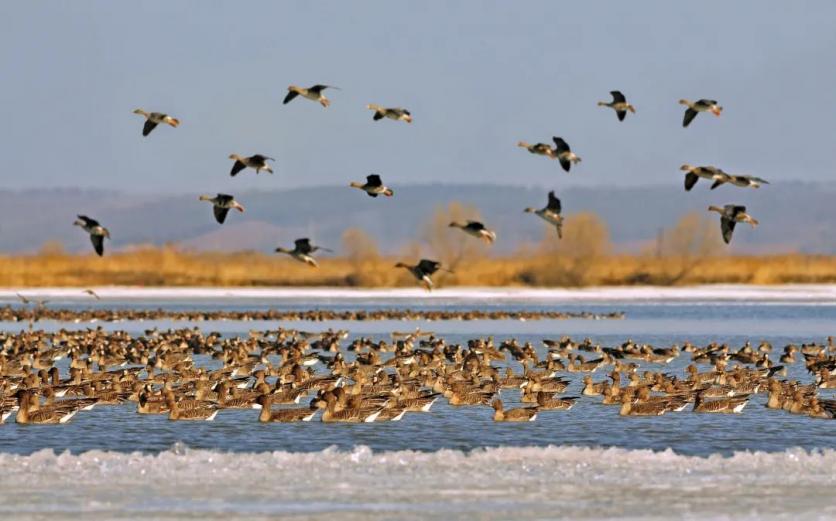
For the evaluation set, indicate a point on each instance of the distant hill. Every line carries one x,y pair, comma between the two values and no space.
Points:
794,216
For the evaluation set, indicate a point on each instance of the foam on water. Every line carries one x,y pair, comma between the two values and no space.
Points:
492,483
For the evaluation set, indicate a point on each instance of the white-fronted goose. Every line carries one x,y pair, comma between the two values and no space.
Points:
221,204
302,251
694,173
551,213
197,413
618,104
540,149
476,229
422,271
312,93
522,414
694,108
373,186
268,415
97,232
730,215
564,154
42,416
396,113
723,405
256,161
153,119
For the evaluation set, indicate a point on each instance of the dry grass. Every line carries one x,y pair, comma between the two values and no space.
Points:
169,267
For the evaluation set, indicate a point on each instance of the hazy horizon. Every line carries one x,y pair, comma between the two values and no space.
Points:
477,77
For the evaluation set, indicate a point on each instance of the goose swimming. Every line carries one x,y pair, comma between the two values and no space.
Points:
97,232
551,213
618,104
476,229
730,215
302,251
523,414
396,113
373,186
221,204
423,271
153,119
312,93
257,161
694,108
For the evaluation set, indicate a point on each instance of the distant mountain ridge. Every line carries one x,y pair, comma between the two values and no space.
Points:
794,216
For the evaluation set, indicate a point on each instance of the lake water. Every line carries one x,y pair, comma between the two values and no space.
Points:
452,462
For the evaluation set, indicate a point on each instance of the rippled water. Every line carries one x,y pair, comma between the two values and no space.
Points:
535,470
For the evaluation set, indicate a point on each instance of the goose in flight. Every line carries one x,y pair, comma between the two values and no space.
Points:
564,153
312,93
97,232
618,104
373,187
694,108
153,119
93,294
39,303
221,204
540,149
476,229
551,213
302,251
694,173
423,271
747,181
730,215
257,161
396,113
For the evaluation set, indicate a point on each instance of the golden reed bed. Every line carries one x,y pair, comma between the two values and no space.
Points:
169,267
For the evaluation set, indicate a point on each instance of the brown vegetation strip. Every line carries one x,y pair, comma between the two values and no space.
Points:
11,314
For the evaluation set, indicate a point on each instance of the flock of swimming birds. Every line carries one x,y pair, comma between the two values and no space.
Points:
374,186
188,375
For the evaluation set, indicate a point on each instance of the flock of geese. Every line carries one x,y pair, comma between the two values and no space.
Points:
188,375
374,186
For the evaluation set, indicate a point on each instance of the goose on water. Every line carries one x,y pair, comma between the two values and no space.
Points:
221,204
302,251
152,119
373,186
475,229
423,271
730,215
396,113
312,93
618,104
551,213
695,107
97,232
256,161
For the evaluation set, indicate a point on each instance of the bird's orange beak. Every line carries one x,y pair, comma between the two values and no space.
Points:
716,111
240,208
174,122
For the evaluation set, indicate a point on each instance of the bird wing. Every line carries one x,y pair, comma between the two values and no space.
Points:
554,203
617,96
620,114
378,115
290,95
717,182
374,180
560,145
224,198
727,226
565,163
148,127
690,180
220,213
737,210
690,114
318,88
428,267
475,225
88,221
237,167
303,245
98,243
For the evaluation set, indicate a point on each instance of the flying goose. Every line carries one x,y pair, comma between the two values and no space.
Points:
221,204
551,213
747,181
564,153
153,119
703,105
97,232
39,303
730,215
618,104
93,294
373,187
312,93
396,113
694,173
423,271
476,229
302,251
257,161
523,414
541,149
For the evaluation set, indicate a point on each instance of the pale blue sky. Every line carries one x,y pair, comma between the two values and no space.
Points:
478,77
